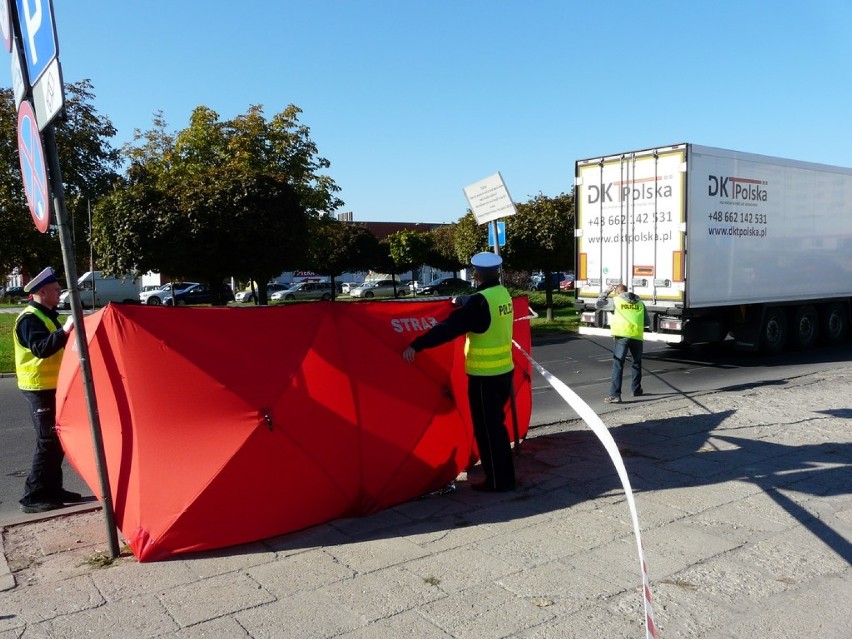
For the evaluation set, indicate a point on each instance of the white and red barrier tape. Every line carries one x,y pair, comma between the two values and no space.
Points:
599,428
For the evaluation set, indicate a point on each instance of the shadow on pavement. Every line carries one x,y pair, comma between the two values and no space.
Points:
565,469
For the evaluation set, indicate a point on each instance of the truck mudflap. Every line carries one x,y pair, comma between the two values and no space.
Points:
649,337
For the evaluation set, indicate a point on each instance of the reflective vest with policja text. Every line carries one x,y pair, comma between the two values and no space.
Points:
490,353
628,319
35,373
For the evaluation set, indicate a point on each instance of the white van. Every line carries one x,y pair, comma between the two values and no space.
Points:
102,290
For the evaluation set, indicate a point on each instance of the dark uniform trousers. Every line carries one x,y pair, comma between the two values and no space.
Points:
488,396
45,481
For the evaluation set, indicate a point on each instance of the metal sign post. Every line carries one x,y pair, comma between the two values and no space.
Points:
489,201
82,342
31,27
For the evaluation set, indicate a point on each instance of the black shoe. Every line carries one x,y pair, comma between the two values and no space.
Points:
638,393
487,487
40,507
68,497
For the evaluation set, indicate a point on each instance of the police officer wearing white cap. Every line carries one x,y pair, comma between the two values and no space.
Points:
39,341
486,317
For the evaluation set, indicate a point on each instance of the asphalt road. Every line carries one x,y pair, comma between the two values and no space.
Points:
583,363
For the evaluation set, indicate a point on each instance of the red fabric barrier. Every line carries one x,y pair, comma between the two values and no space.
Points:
228,425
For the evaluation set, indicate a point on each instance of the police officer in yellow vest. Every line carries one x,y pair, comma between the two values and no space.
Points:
627,323
39,341
486,317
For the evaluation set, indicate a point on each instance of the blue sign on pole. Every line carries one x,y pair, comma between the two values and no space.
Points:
501,234
33,169
38,32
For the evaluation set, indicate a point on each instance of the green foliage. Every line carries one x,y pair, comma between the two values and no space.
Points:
470,238
88,163
336,247
541,235
7,352
443,255
217,198
409,249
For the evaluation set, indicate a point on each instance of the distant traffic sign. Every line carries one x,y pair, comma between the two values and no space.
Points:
501,234
33,170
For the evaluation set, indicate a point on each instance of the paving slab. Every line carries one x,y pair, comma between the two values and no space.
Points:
744,498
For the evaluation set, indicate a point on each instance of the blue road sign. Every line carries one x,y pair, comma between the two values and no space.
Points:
33,169
38,32
501,234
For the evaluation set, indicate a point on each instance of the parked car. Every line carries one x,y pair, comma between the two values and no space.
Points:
304,291
16,293
156,297
346,287
568,283
446,286
537,283
248,295
198,294
379,288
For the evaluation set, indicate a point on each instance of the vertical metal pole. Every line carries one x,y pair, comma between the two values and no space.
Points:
493,224
52,157
91,252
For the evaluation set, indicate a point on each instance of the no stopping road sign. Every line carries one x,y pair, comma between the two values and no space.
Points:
33,170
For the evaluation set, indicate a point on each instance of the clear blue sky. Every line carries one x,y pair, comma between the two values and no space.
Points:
413,100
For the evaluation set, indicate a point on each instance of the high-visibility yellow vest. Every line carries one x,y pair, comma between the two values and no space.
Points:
628,320
35,373
490,353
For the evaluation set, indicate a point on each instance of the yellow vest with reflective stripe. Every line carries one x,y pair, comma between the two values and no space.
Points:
628,320
490,353
35,373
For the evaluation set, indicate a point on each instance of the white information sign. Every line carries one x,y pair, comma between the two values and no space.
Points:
19,85
48,94
489,199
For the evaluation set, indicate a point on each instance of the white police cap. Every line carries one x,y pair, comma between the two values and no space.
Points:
486,260
47,276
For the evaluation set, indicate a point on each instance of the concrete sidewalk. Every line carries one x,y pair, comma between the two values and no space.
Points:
744,497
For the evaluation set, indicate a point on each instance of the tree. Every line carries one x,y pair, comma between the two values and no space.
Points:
443,255
218,198
541,236
470,238
409,250
88,164
337,247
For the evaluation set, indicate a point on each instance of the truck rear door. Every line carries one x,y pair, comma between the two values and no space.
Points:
631,224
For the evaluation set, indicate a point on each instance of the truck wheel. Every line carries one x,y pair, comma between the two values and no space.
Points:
773,334
834,324
154,301
805,327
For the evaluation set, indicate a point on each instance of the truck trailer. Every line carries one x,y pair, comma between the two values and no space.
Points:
719,244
